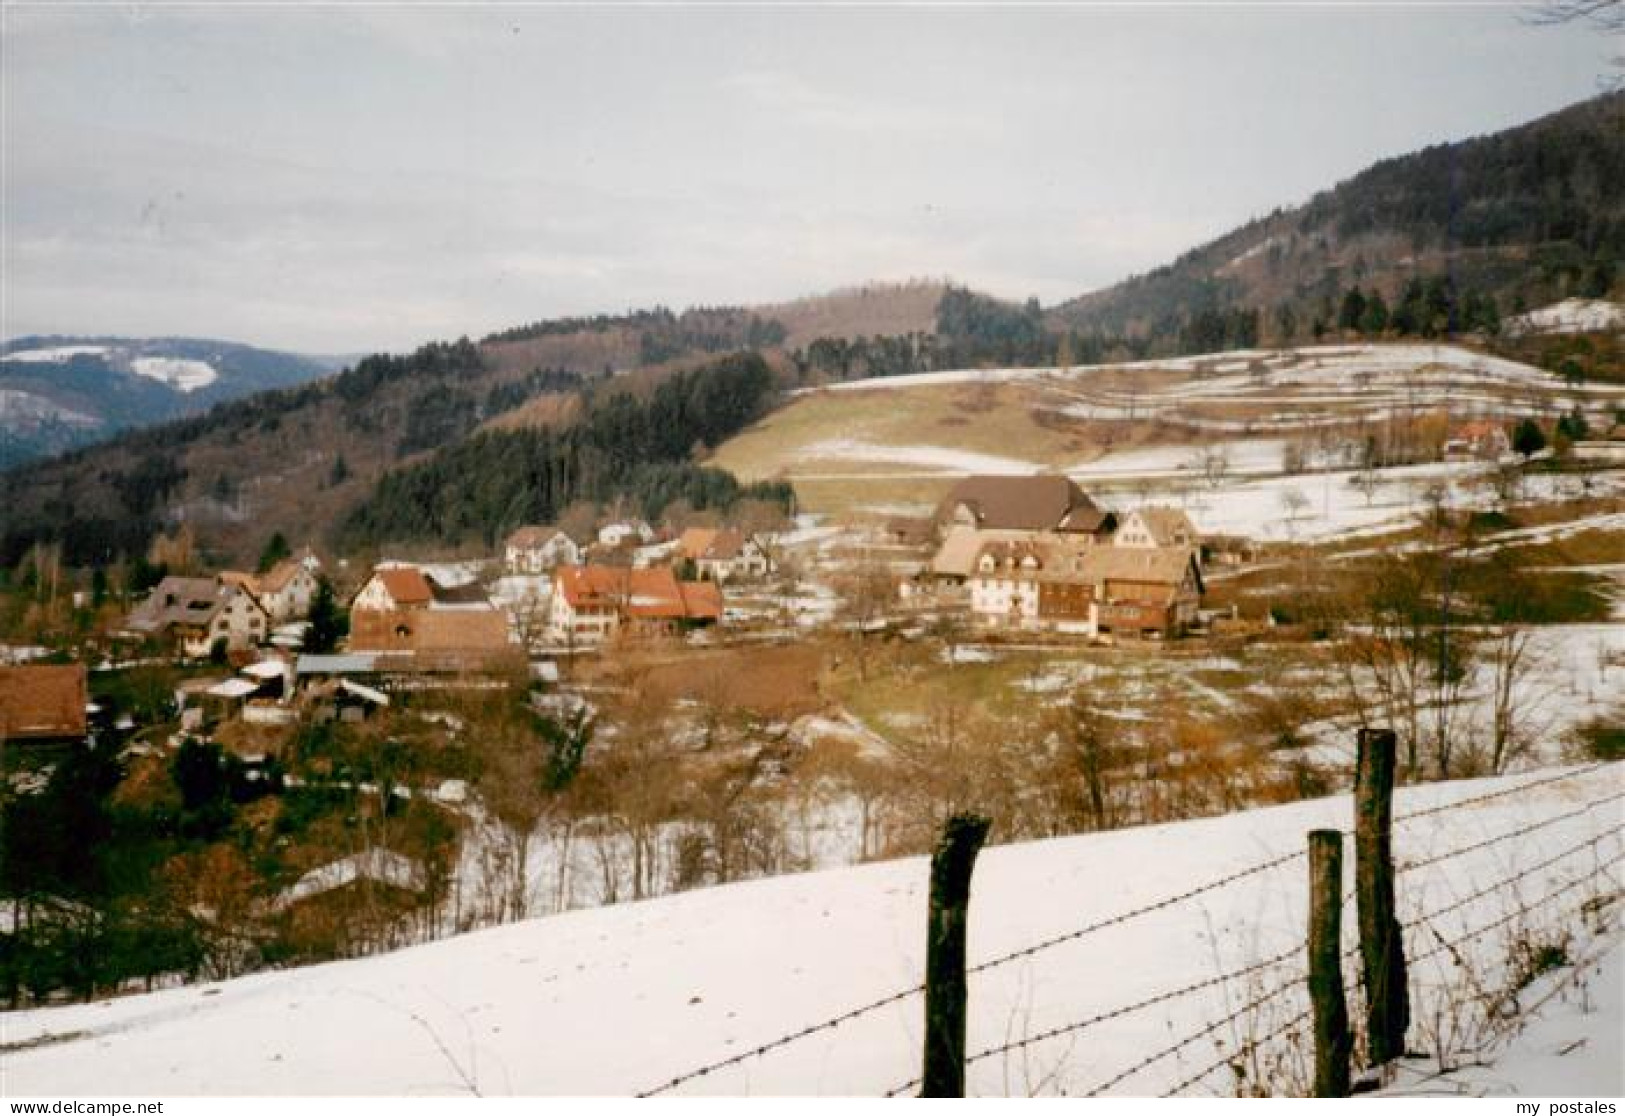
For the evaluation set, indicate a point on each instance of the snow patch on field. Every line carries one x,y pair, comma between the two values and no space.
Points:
61,354
181,374
937,457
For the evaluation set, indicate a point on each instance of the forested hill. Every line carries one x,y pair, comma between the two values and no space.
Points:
1524,217
623,446
301,461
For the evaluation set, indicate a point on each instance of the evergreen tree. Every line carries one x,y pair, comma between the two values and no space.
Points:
1374,320
1353,310
276,549
328,623
1528,439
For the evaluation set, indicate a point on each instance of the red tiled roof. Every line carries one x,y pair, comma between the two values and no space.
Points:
405,584
429,630
652,594
42,702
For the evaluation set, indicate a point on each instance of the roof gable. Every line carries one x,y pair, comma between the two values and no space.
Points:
1045,502
42,702
405,584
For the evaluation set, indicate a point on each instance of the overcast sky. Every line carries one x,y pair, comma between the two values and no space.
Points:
343,179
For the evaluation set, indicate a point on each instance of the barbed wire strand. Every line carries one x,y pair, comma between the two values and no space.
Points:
1123,917
1113,1013
1229,1057
1502,793
1413,865
1443,946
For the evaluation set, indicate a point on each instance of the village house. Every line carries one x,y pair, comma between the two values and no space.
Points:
1149,528
1144,592
435,640
1481,440
625,533
285,591
536,550
983,510
408,589
594,604
200,613
722,556
393,589
43,705
1086,590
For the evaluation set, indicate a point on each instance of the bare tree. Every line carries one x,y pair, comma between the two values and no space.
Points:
1607,17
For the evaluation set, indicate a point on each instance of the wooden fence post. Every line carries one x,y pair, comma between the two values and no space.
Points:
1333,1043
1382,944
951,866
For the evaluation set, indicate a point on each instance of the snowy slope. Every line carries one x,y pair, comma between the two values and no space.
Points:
621,999
1572,315
182,375
1566,1042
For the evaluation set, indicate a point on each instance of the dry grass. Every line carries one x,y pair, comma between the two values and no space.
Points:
979,418
768,681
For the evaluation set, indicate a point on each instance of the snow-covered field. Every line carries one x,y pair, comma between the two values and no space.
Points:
1572,315
60,354
933,457
1407,373
1320,507
1568,1044
180,374
625,999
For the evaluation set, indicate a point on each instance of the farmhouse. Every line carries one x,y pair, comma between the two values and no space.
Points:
534,550
425,639
1481,440
409,589
983,510
1151,527
284,591
394,589
199,612
722,555
594,604
1049,502
1144,592
42,704
1088,591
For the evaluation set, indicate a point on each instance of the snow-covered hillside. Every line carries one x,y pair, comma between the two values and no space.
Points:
182,375
54,354
626,999
1572,315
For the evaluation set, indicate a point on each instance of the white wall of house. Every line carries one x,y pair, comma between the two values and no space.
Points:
292,601
750,563
239,620
1001,600
374,597
560,550
588,625
1134,533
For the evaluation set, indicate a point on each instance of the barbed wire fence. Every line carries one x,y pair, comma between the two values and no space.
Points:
1290,983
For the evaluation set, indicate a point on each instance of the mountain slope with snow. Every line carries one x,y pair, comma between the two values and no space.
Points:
625,999
68,392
